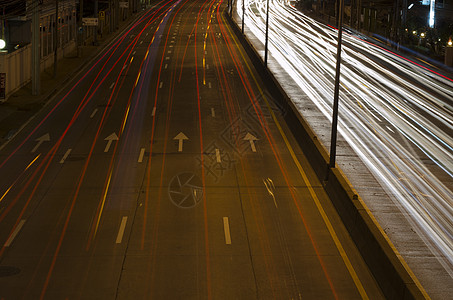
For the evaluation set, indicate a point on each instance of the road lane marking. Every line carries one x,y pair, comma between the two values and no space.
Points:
112,85
207,66
160,85
132,58
65,156
93,113
110,139
141,42
180,137
119,237
166,65
226,228
40,140
251,138
167,58
390,129
332,232
212,112
154,112
142,153
217,155
15,232
209,84
124,67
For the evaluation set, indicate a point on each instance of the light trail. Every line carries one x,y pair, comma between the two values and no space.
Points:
397,115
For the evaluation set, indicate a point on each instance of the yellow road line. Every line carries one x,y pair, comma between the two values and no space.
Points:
329,226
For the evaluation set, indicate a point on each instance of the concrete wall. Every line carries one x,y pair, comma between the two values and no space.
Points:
17,65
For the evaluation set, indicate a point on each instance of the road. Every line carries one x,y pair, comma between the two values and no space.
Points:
395,113
165,170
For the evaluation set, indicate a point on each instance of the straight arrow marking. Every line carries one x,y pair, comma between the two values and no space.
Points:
40,140
180,137
251,138
110,139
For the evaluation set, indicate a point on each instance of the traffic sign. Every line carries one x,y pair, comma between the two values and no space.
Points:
90,21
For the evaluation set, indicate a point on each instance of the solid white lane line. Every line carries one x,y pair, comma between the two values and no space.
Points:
154,112
65,156
93,113
212,112
217,155
226,228
142,153
119,237
160,85
15,232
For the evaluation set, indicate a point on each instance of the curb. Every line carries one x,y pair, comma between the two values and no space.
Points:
391,272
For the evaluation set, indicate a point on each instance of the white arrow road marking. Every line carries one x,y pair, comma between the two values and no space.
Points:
217,155
110,139
142,153
180,137
119,237
15,232
226,228
251,138
65,156
40,140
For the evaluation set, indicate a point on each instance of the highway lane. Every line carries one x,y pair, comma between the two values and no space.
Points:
395,113
177,179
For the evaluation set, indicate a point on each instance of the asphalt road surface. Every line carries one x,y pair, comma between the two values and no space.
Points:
165,170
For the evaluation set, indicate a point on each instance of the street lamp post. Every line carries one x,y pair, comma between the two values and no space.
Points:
267,33
333,142
243,14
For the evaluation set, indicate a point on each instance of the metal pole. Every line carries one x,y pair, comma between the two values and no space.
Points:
35,59
333,143
243,14
95,39
80,33
267,33
55,56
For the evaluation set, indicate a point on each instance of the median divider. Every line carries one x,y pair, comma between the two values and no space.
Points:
393,275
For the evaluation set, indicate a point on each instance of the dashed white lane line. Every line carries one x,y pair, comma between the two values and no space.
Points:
112,85
119,237
154,112
166,65
209,84
93,113
217,155
226,228
213,112
142,154
65,156
160,85
15,233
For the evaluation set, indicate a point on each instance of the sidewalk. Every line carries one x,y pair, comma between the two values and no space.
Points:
22,105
